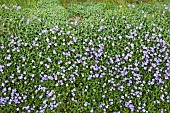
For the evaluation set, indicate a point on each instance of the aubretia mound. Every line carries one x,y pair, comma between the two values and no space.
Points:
115,60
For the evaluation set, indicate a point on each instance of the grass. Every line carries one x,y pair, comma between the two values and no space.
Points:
23,3
87,58
66,3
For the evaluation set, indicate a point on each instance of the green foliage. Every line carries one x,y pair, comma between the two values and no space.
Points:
66,3
22,3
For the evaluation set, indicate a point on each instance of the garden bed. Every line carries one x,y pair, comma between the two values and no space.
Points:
85,58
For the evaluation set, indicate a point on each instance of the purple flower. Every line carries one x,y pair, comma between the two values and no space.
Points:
8,57
2,47
56,28
16,100
101,28
50,77
123,73
95,67
127,104
102,75
75,39
44,78
5,7
168,64
100,106
18,7
96,75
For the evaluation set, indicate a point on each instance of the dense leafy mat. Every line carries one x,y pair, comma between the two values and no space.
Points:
85,59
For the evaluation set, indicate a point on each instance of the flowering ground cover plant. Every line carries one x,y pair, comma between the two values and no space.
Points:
111,60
